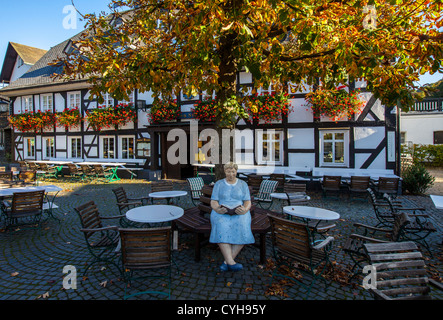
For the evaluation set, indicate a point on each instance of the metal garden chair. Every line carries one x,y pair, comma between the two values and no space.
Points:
25,208
354,243
400,272
195,184
124,204
419,227
101,241
147,250
293,242
263,197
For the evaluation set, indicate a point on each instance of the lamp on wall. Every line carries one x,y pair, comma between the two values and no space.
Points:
141,105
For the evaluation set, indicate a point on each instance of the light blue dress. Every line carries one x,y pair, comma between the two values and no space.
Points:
235,229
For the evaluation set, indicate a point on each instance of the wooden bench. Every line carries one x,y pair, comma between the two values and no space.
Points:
196,220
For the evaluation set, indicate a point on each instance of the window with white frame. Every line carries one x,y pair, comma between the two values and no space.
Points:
108,148
29,151
127,148
109,101
46,102
27,104
74,100
334,148
269,147
75,147
48,148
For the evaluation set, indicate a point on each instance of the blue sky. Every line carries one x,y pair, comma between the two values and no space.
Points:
39,23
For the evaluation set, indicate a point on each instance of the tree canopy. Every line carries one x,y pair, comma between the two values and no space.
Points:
193,46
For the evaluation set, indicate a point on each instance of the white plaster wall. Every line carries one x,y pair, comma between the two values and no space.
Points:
368,137
301,138
301,160
300,112
420,128
18,72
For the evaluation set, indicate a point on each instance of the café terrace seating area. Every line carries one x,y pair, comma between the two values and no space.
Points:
315,232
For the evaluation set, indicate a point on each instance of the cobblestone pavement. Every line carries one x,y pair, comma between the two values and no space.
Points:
32,261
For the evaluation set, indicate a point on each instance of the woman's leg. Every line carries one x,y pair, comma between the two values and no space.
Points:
235,249
230,251
226,251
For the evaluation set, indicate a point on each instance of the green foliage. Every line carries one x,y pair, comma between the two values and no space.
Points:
431,155
416,179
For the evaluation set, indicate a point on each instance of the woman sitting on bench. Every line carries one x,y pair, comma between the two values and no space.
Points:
230,217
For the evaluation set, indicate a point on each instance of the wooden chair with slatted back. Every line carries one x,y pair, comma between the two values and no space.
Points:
358,186
101,240
6,179
146,250
331,184
25,208
400,271
387,185
293,242
254,181
281,178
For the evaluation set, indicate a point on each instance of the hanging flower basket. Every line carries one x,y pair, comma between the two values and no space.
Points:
205,110
335,103
32,121
164,110
104,117
69,118
122,114
269,107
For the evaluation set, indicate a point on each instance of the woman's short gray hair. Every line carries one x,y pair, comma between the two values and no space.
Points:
231,165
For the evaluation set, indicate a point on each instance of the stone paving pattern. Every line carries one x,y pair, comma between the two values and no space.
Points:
32,261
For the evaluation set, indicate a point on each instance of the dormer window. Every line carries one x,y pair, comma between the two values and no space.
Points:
19,62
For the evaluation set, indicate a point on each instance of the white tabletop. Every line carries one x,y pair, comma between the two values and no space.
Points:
438,201
10,191
89,163
311,213
284,196
168,194
51,161
154,213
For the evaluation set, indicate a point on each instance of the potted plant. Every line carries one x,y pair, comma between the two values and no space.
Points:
334,103
268,107
164,110
69,118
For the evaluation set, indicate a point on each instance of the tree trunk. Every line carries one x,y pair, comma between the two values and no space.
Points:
228,88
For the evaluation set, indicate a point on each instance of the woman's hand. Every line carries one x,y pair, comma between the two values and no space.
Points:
217,207
244,208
